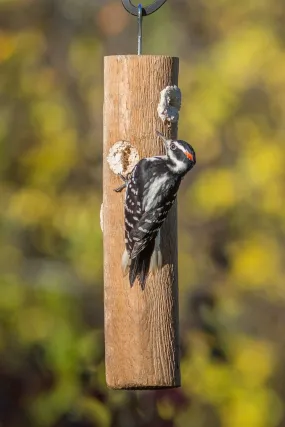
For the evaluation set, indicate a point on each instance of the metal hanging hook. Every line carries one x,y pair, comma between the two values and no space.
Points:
148,10
140,12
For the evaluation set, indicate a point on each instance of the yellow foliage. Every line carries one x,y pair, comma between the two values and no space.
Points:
86,50
213,382
262,163
210,104
9,256
37,325
30,206
215,191
8,43
45,408
97,411
51,116
248,44
272,200
254,361
50,162
13,294
165,409
257,408
256,262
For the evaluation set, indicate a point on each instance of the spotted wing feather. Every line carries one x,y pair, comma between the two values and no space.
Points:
133,208
148,226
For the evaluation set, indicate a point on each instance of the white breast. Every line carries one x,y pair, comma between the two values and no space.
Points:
153,191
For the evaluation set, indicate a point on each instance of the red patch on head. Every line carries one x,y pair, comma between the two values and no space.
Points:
190,156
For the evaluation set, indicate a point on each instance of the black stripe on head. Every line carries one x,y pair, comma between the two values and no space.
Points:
187,150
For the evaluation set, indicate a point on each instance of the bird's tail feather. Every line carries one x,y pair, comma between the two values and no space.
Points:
140,265
156,258
155,261
126,262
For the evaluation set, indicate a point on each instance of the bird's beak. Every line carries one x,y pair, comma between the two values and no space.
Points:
163,138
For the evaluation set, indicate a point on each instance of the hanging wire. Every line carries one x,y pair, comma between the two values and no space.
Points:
140,18
141,11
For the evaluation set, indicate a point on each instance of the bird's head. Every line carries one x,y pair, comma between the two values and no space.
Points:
181,155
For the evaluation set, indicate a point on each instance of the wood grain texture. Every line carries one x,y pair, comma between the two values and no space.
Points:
141,327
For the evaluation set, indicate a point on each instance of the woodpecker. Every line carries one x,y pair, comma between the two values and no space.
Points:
151,190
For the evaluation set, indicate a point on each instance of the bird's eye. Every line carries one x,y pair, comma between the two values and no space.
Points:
172,146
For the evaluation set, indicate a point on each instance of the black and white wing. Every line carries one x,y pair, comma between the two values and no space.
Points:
133,207
153,216
150,194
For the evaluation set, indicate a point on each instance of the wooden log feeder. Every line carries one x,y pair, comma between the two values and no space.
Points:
141,325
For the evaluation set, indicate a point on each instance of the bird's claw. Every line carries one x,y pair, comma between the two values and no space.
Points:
125,179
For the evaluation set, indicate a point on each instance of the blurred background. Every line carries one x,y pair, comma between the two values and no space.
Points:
231,213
